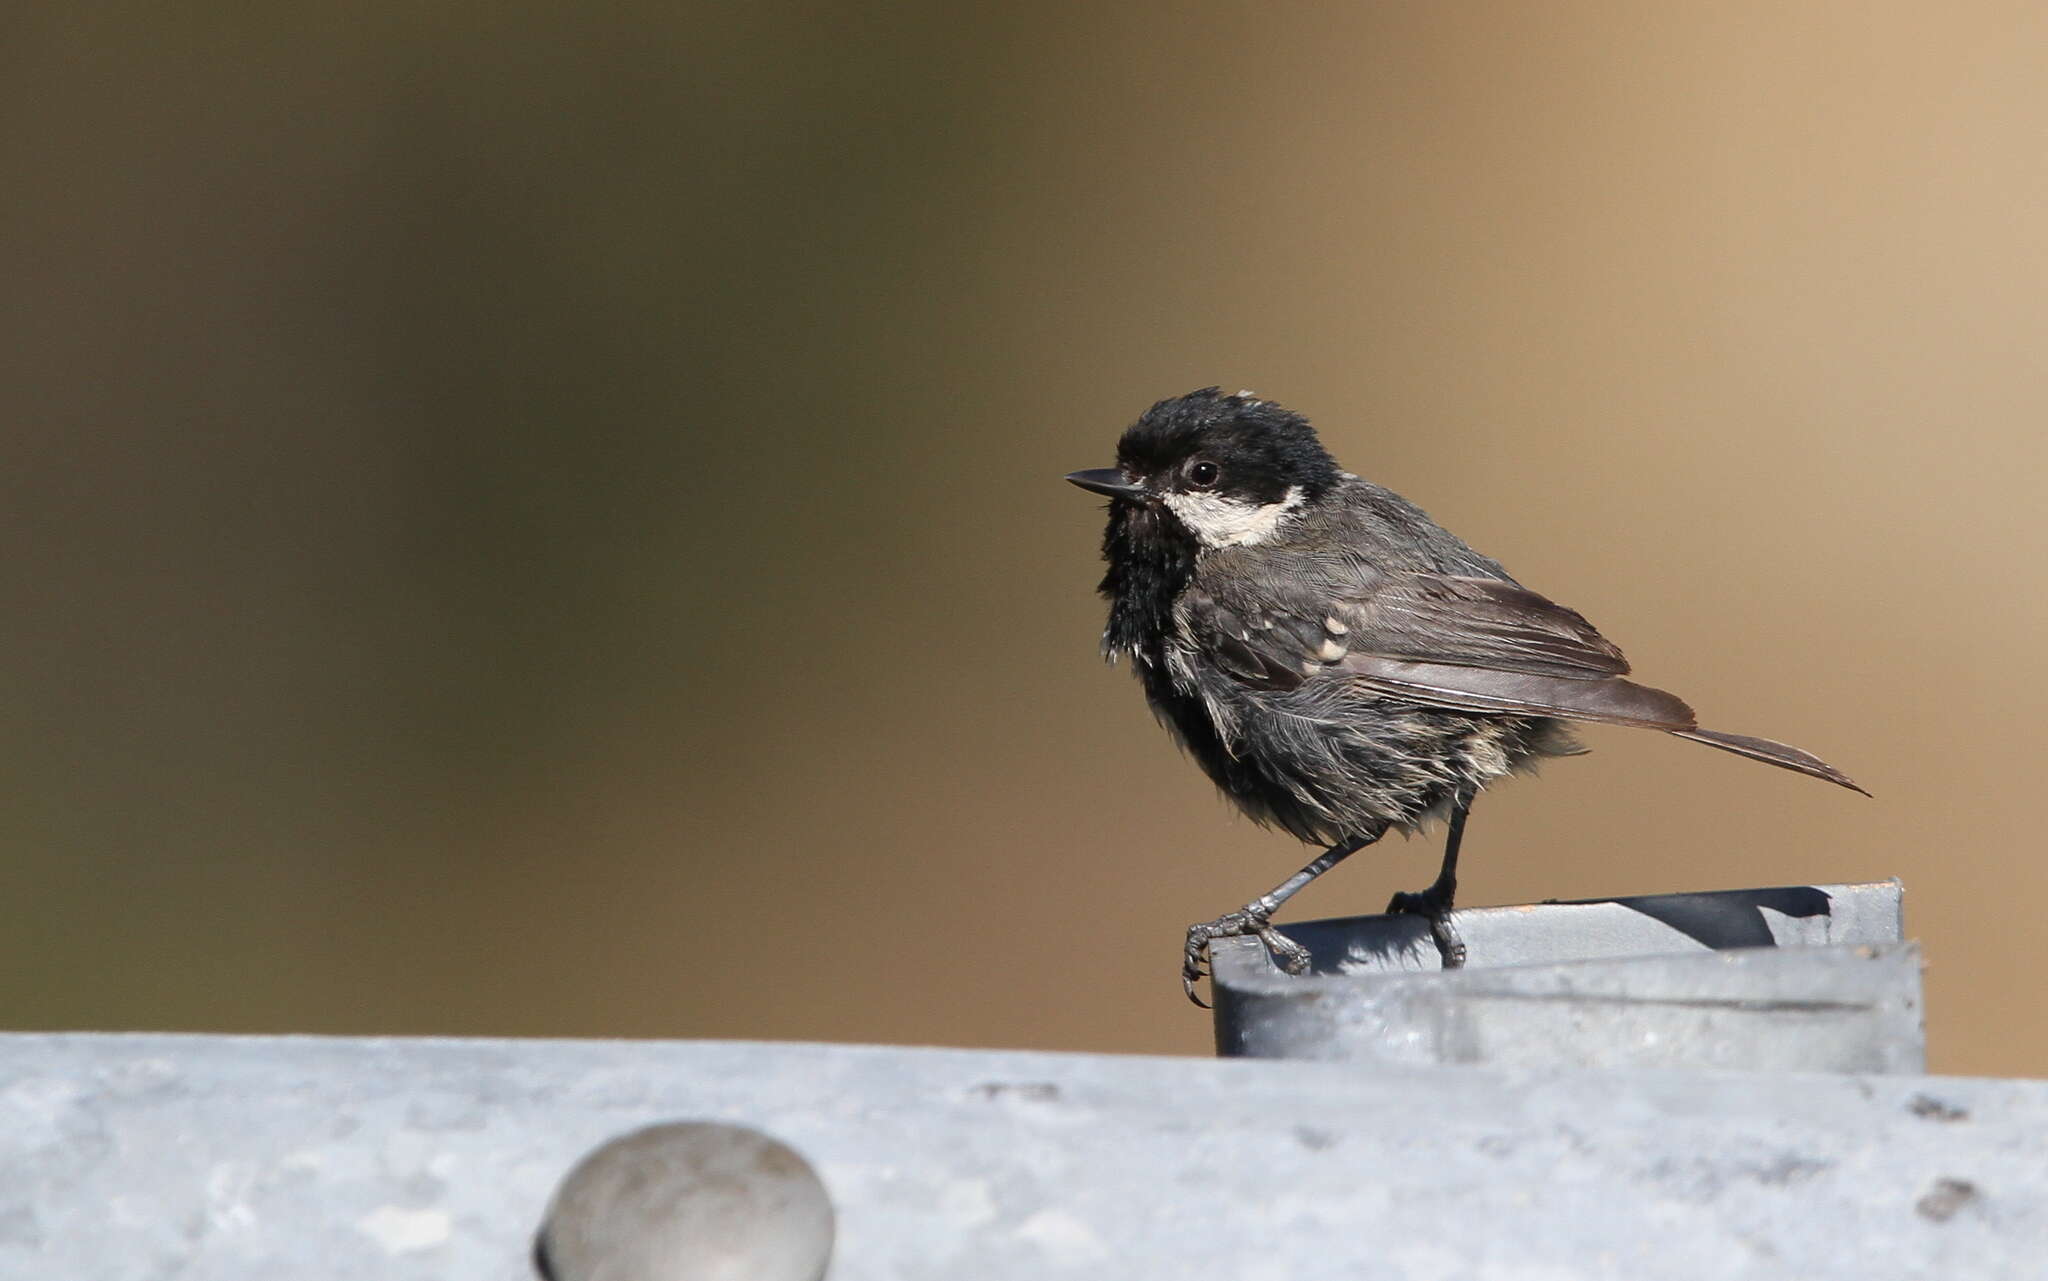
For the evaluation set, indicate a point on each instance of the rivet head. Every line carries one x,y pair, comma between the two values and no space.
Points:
688,1201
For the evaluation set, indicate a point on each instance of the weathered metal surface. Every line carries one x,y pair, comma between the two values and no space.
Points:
1646,925
1810,978
208,1159
1825,1009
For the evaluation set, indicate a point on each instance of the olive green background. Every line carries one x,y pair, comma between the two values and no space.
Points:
546,519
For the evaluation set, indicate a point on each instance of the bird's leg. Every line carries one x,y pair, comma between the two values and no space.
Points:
1256,917
1434,903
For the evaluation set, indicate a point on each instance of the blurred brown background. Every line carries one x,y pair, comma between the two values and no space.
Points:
546,519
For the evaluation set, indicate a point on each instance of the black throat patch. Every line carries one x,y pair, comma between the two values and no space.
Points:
1151,559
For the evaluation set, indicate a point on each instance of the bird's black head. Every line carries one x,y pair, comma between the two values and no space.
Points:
1225,470
1198,472
1237,447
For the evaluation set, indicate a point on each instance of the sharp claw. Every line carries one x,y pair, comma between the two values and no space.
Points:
1428,905
1292,956
1191,964
1289,955
1449,947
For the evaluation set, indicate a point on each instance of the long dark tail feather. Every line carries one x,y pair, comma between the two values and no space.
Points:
1782,755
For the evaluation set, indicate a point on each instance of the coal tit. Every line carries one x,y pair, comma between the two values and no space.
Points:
1338,664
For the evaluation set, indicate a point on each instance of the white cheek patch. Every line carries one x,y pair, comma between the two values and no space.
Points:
1231,522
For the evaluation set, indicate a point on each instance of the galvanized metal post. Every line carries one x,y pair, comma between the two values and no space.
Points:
1795,978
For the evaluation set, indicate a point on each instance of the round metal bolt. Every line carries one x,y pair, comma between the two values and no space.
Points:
688,1201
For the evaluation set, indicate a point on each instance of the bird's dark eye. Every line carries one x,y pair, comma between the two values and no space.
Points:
1203,474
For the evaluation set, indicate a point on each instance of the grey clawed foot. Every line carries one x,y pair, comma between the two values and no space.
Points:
1435,908
1449,947
1288,954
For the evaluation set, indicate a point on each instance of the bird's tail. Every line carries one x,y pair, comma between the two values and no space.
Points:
1781,755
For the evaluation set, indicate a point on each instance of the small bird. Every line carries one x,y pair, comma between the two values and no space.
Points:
1339,664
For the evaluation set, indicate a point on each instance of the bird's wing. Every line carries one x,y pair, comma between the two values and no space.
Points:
1463,644
1469,644
1612,701
1473,622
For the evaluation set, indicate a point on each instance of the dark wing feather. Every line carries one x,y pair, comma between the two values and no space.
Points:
1489,645
1304,628
1254,650
1463,644
1479,644
1255,665
1770,752
1613,701
1475,622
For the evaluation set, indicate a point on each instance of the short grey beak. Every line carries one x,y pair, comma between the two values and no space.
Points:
1106,480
